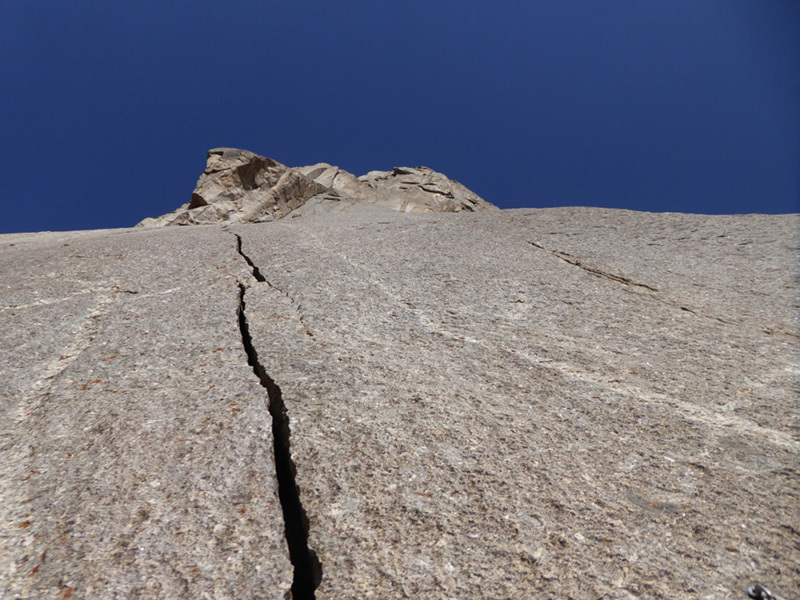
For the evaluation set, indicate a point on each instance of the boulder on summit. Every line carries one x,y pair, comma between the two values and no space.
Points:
239,186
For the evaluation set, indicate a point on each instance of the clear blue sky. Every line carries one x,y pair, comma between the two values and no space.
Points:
107,108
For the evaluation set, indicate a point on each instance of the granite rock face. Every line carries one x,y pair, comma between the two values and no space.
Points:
538,403
402,189
239,186
136,451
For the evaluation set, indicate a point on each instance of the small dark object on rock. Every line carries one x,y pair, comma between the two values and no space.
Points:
759,592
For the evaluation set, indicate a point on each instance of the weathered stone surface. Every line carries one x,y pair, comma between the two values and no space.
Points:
239,186
547,403
422,190
135,445
403,189
341,182
559,403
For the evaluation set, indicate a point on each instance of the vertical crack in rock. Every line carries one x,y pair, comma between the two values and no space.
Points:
256,272
260,277
307,567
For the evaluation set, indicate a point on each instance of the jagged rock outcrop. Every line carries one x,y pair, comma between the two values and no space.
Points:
404,189
239,186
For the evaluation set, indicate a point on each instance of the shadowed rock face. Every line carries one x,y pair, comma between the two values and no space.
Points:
539,403
239,186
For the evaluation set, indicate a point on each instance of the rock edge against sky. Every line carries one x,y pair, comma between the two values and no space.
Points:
239,186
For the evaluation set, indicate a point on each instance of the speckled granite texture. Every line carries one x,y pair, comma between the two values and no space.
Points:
540,403
135,448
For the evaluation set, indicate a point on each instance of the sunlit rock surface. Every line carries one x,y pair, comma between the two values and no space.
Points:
238,186
539,403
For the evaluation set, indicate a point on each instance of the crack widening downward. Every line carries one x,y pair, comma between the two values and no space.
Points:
307,567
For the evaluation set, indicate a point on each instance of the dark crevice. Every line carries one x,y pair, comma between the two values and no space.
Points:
567,258
256,273
618,278
260,277
435,191
307,567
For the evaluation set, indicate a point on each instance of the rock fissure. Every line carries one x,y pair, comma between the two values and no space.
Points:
611,276
307,567
569,259
253,268
260,277
435,191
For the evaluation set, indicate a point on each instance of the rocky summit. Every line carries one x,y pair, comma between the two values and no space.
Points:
239,186
372,403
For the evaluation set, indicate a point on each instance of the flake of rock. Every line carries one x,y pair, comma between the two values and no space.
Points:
403,189
340,181
422,190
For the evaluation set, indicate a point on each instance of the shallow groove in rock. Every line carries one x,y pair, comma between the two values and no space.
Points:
576,263
307,567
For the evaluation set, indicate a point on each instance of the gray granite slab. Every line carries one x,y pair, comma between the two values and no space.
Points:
577,403
135,446
551,403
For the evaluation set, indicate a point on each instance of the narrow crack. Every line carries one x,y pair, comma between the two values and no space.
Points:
568,258
307,567
576,263
260,277
256,272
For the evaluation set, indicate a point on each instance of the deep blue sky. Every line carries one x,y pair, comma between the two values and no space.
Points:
107,108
